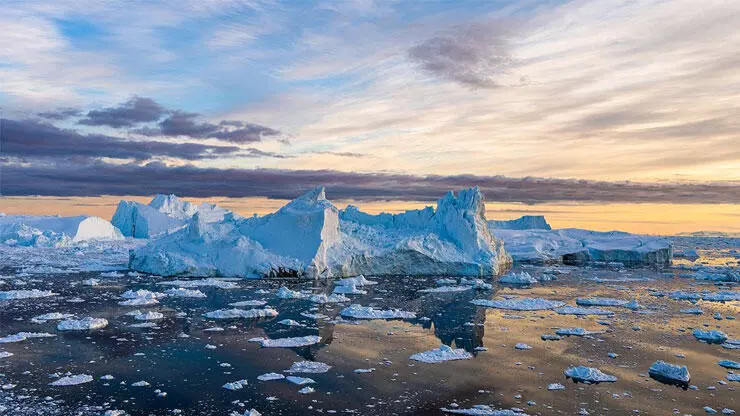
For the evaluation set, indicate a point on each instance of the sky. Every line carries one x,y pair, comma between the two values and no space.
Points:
543,104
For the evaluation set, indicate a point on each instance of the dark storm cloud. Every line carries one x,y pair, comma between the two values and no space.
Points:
30,139
181,123
100,178
60,114
474,56
134,111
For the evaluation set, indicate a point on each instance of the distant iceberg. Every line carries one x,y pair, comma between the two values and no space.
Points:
310,237
164,214
576,246
526,222
54,231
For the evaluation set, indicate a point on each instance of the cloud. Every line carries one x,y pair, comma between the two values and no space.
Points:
31,139
75,179
181,123
60,114
476,56
134,111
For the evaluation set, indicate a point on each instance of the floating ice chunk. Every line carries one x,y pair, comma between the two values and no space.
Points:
588,375
596,301
710,337
91,282
83,324
25,294
300,380
349,288
333,298
181,292
519,304
144,325
287,342
446,289
313,367
290,322
555,386
235,385
141,293
441,354
5,354
477,284
143,301
368,312
359,280
22,336
681,295
241,313
53,316
729,364
522,278
270,377
111,274
733,377
691,311
363,370
721,296
483,410
245,303
210,282
148,316
522,346
731,344
141,383
573,310
306,390
578,332
72,380
669,373
285,293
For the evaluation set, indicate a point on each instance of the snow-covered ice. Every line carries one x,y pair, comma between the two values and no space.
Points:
314,367
588,375
368,312
72,380
83,324
519,304
236,313
289,342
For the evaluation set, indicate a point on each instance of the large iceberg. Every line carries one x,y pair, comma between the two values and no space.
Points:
164,214
577,246
54,231
311,237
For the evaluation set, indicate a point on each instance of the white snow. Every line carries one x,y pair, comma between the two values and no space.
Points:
236,313
368,312
441,354
83,324
72,380
588,375
311,237
287,342
519,304
52,316
306,390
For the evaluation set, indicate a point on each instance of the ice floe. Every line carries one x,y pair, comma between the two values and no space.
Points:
289,342
83,324
441,354
182,292
519,304
314,367
711,337
72,380
669,373
25,294
22,336
368,312
483,410
588,375
236,313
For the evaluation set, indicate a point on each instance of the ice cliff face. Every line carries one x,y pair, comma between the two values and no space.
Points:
310,237
526,222
52,231
164,214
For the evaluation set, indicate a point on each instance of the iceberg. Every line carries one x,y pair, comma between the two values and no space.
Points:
241,313
83,324
313,367
483,410
164,214
525,222
310,237
710,337
54,231
577,246
292,342
588,375
670,373
519,304
72,380
368,312
441,354
25,294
